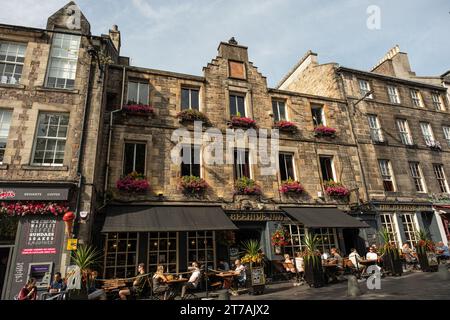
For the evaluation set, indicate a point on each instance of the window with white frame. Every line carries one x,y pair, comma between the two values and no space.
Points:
388,223
437,101
364,88
427,133
5,123
190,98
200,248
386,175
237,104
318,115
63,61
134,158
440,177
375,129
286,162
416,174
121,252
50,140
410,229
405,134
327,238
190,164
137,93
393,94
279,110
162,250
416,98
241,164
297,236
447,134
12,56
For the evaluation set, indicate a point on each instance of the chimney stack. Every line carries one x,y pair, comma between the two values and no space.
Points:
114,34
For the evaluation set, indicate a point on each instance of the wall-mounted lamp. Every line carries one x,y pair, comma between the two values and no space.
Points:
84,214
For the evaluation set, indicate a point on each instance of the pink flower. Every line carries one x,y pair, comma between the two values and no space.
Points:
134,183
138,108
290,186
324,131
243,122
285,125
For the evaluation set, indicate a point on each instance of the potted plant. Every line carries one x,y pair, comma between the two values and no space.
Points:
138,109
314,275
247,186
85,257
243,122
254,257
280,238
336,189
191,115
291,187
323,131
425,252
193,185
133,183
390,254
285,126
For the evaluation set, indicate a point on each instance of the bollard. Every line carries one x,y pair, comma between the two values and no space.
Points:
223,295
353,289
444,274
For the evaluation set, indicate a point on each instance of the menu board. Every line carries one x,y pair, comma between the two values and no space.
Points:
42,232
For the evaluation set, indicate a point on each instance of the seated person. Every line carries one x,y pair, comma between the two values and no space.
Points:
354,257
138,284
95,293
224,266
159,282
193,280
289,264
299,266
336,257
372,254
58,285
325,255
442,251
410,255
240,272
29,291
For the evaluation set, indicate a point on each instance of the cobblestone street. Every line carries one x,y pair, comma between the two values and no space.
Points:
411,286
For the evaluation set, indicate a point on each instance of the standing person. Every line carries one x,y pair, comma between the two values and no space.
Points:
193,280
137,284
29,291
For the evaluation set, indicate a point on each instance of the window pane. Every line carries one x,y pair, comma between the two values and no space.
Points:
184,99
233,109
140,158
195,99
128,158
326,168
132,92
241,105
317,116
143,93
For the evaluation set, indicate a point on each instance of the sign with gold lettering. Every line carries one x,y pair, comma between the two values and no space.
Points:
404,207
257,216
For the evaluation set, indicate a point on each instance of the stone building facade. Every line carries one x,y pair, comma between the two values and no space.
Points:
400,123
51,91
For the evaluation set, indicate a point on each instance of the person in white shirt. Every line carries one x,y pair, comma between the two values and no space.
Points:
193,280
240,272
354,257
371,255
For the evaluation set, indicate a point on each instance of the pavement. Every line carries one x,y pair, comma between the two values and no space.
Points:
410,286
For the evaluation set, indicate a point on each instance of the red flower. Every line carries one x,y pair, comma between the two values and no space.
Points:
323,131
32,207
138,109
237,121
291,186
134,182
285,126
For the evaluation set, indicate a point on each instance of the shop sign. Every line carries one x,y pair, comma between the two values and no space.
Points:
257,216
36,193
39,251
42,232
404,207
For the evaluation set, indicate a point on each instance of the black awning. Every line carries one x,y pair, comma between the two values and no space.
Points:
166,218
323,218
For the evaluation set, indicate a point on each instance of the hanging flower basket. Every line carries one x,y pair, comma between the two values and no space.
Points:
138,109
191,115
242,122
32,208
291,187
322,131
280,238
336,189
246,186
285,126
133,183
193,185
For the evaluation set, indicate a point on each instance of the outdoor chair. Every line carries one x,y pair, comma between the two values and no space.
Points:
191,294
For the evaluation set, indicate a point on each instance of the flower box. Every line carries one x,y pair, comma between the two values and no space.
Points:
138,109
133,183
291,187
193,185
246,186
242,122
322,131
32,208
285,126
191,115
336,189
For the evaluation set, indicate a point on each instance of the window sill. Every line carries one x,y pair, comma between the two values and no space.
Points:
12,86
3,167
45,168
46,89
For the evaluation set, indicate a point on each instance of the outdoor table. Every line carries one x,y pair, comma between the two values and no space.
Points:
367,263
227,279
330,271
175,287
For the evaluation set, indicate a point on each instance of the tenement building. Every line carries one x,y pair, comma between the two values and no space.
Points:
401,125
51,88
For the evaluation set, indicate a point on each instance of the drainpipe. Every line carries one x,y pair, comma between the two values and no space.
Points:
108,156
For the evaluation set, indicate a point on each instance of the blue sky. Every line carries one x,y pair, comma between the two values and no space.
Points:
183,35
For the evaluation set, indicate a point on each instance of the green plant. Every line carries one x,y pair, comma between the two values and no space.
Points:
86,257
310,254
388,246
424,243
252,252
